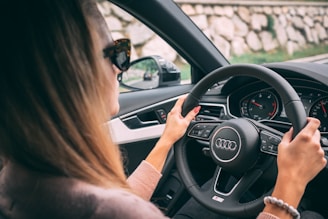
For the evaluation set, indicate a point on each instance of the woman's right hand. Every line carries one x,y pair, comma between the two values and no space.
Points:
299,161
302,158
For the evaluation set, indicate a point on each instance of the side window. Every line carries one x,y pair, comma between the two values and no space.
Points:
154,63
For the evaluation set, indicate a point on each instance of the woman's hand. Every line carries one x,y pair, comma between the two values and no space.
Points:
299,161
302,158
176,124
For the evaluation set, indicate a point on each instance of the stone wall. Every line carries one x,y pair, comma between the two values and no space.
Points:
235,27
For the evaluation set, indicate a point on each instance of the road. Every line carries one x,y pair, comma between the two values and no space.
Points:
322,59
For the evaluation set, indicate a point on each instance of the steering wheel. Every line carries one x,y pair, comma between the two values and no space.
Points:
236,145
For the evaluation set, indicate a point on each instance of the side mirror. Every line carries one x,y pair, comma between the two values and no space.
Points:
150,72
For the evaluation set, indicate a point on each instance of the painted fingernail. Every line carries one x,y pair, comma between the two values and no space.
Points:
196,109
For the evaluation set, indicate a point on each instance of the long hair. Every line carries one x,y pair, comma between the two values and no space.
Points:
52,107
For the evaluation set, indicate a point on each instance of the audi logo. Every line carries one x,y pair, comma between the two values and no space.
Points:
225,144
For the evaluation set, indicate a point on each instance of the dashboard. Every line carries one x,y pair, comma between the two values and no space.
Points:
251,98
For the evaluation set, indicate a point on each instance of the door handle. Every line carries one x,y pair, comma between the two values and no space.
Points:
134,122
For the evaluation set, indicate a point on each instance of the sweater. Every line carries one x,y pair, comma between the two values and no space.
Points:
30,195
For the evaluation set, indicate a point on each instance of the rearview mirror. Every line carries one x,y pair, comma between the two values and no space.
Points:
150,72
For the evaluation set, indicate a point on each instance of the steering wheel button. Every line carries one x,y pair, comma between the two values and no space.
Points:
264,141
266,136
274,150
206,133
201,131
271,149
196,133
274,140
264,147
193,132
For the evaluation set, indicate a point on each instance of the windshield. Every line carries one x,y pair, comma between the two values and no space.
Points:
263,31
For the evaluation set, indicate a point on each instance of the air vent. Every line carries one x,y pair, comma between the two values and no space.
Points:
210,112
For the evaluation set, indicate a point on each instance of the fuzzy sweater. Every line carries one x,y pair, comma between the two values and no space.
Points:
29,195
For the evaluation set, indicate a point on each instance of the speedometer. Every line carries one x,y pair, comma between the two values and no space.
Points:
319,110
259,106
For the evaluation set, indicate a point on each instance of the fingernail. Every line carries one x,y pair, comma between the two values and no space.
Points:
196,109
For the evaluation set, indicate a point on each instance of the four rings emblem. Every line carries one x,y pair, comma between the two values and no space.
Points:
225,144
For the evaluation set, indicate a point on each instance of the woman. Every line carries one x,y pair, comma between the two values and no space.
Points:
58,86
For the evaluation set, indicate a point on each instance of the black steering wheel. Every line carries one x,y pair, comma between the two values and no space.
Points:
237,146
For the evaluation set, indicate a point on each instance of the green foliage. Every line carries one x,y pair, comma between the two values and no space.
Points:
146,64
185,71
271,25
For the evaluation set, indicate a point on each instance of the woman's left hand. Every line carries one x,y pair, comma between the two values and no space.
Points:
176,124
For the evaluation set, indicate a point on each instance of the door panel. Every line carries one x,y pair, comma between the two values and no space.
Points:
141,121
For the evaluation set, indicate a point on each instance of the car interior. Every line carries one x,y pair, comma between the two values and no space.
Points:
231,146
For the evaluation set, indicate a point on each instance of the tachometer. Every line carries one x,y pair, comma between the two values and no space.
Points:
259,106
319,110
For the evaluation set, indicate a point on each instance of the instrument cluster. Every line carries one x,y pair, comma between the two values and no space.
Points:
265,104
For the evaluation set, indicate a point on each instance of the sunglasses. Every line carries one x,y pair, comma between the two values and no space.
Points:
119,53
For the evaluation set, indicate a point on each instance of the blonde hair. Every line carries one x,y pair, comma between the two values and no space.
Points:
52,92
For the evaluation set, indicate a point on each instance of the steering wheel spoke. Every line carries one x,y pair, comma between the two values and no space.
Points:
226,190
218,189
244,183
